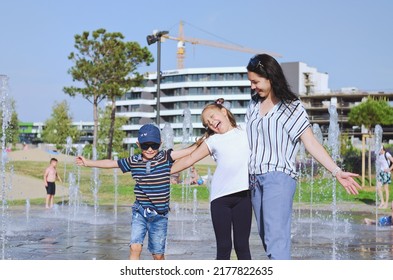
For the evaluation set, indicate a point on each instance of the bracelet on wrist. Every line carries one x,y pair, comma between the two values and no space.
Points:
335,171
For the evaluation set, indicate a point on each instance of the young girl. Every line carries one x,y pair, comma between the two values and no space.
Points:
230,202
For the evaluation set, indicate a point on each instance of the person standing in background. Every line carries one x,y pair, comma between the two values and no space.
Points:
50,177
384,166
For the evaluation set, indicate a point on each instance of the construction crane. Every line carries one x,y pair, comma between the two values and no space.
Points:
181,50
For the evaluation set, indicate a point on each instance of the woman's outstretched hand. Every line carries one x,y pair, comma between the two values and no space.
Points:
347,181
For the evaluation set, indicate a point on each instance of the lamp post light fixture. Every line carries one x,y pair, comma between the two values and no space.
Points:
151,39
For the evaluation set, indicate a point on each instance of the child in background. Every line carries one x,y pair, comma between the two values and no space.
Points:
50,177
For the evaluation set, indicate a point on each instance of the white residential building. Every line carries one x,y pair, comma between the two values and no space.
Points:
193,88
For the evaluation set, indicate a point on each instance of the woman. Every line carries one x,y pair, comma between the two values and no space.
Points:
276,123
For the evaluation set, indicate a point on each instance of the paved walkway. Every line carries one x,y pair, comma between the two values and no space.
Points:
81,233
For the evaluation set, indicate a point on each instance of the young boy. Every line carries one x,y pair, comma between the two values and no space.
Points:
50,177
151,171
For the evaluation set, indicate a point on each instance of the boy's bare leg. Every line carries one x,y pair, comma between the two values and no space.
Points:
47,201
135,251
158,257
51,201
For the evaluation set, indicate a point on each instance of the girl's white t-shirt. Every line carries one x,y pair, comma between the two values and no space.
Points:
231,152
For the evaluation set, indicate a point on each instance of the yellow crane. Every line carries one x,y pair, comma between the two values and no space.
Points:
181,50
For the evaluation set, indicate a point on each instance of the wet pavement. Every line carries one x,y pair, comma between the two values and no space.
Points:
64,233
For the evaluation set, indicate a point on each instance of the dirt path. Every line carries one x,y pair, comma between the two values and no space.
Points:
26,187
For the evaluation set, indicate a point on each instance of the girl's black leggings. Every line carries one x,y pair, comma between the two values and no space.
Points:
233,210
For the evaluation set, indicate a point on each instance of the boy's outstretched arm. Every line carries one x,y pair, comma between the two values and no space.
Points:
105,163
186,161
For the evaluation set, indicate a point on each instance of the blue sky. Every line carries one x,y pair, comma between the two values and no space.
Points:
351,40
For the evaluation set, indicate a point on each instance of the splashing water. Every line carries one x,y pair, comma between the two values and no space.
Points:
378,144
333,133
333,142
115,182
209,179
27,209
5,187
95,184
378,138
187,126
195,212
187,134
67,152
302,153
317,132
79,152
319,136
167,136
74,196
378,132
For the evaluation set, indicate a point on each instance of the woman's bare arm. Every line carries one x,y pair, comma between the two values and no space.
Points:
321,155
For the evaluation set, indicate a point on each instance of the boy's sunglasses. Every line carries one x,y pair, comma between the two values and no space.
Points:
146,146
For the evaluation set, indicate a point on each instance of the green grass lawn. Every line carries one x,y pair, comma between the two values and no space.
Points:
318,190
321,190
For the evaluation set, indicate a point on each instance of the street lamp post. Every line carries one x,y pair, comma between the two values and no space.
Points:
151,39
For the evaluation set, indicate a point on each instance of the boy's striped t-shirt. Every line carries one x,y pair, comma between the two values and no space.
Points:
152,178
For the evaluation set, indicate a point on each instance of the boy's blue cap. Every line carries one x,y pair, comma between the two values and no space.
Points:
149,133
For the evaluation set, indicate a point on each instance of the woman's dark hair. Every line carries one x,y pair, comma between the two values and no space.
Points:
267,67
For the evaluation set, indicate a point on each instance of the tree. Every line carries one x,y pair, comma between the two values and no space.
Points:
370,113
103,132
106,66
59,126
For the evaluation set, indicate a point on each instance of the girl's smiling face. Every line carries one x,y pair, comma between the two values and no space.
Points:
216,120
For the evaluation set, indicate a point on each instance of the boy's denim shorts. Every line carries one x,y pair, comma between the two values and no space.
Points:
149,221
